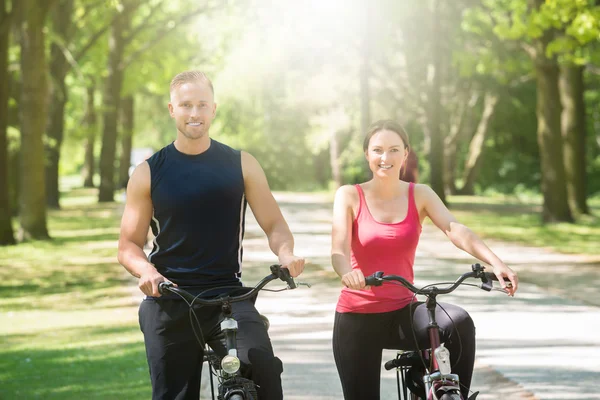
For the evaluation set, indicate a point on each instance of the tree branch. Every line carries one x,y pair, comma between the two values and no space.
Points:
529,49
142,25
77,56
159,35
91,7
594,69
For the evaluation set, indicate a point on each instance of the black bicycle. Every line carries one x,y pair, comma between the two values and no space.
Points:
226,367
426,374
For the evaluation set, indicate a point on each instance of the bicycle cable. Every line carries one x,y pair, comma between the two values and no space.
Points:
451,320
454,328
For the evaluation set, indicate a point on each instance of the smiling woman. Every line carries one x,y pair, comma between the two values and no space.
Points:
376,227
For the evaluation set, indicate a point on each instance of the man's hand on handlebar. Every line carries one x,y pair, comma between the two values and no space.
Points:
149,280
294,264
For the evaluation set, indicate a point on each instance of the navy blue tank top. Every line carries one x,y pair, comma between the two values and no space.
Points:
199,215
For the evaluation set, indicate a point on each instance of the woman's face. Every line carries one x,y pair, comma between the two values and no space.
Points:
386,154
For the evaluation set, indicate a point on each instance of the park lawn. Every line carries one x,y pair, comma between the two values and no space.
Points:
69,311
511,220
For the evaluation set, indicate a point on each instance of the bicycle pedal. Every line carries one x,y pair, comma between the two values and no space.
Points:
303,284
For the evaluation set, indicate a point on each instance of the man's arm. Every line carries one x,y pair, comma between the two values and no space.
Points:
269,217
134,228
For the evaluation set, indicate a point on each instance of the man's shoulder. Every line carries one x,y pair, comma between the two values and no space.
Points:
223,147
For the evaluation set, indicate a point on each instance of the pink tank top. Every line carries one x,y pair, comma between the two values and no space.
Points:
383,247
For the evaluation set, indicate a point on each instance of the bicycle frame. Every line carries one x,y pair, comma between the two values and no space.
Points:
438,378
231,384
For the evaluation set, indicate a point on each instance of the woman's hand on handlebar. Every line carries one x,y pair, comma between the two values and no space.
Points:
354,279
502,271
149,280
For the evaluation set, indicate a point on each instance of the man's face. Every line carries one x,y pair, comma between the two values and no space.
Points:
193,108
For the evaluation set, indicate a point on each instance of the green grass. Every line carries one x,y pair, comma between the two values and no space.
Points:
514,220
69,315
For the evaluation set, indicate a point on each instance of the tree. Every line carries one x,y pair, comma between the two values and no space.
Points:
6,20
527,25
434,111
59,66
91,128
33,115
556,206
68,49
126,139
571,84
124,48
476,146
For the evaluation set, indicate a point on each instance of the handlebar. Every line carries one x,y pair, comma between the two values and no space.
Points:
378,278
277,272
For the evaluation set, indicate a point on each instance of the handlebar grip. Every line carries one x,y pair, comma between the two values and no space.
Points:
392,364
284,275
375,279
492,276
162,286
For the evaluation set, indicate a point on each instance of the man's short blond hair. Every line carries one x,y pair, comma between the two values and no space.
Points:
188,77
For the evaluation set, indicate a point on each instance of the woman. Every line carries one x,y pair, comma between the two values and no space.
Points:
376,227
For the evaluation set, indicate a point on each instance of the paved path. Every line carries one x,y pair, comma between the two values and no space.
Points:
537,345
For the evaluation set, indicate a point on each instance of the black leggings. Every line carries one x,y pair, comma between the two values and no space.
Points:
358,341
175,356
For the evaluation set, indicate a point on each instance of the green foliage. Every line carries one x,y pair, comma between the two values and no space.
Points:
517,219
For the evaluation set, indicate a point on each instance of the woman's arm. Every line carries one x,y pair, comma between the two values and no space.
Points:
341,236
463,237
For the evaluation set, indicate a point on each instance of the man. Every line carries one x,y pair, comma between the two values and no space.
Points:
193,194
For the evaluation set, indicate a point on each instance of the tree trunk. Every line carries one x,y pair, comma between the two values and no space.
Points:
548,110
334,157
574,136
34,113
436,152
476,146
59,67
111,105
460,124
91,128
126,140
6,231
365,95
365,90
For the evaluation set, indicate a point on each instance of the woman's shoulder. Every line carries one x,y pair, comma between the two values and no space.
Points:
347,193
422,189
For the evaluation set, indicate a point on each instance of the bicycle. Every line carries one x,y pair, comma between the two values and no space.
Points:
231,385
434,370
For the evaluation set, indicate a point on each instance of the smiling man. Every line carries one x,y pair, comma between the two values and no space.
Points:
193,194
